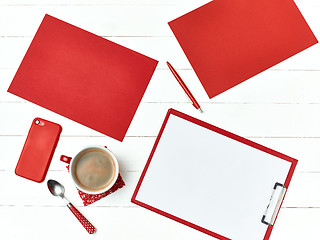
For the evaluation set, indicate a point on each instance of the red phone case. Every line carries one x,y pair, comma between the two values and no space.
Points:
38,150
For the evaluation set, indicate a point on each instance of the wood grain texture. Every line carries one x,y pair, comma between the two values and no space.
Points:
279,108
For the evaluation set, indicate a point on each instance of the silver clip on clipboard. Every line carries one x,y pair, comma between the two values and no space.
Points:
274,205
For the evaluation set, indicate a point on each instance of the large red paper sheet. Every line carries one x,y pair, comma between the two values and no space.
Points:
230,41
83,77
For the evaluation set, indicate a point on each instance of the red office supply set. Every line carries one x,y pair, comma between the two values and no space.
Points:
100,84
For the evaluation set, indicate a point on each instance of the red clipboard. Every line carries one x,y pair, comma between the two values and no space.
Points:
231,169
83,77
230,41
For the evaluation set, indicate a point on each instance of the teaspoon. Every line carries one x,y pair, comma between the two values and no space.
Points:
58,190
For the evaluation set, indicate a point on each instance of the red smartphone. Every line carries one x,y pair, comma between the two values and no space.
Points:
38,150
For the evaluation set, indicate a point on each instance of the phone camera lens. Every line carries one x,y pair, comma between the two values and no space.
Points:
37,122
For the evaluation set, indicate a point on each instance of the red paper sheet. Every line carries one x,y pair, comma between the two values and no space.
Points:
83,77
230,41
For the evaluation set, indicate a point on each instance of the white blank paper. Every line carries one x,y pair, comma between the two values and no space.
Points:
211,180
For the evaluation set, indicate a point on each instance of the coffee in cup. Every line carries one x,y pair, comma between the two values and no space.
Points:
94,169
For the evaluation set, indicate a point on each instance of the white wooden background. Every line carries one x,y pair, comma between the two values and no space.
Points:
279,108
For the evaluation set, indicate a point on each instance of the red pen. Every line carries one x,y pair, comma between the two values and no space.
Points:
184,87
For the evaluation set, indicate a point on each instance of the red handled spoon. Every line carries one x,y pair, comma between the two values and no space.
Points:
58,190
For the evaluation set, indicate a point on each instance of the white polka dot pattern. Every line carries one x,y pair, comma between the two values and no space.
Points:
85,223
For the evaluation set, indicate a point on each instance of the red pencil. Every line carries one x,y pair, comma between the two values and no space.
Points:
185,88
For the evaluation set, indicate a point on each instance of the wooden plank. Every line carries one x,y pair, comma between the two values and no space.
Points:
124,2
111,223
114,19
101,2
249,120
133,152
27,190
301,191
134,223
295,223
103,20
271,86
160,48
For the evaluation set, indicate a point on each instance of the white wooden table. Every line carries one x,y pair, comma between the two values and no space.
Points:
279,108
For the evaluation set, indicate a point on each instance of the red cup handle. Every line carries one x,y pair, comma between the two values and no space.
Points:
65,159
